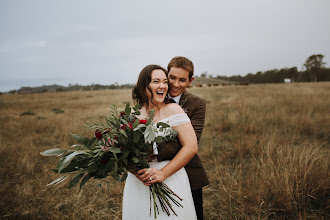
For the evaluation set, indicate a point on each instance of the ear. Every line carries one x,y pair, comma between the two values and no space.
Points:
190,81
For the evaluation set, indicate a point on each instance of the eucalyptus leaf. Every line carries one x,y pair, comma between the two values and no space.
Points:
162,124
68,158
136,136
115,150
80,139
123,178
84,180
123,132
139,126
75,180
62,178
92,167
135,159
110,165
136,123
158,139
53,152
127,109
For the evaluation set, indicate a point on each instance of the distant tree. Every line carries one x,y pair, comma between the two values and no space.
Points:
313,65
204,74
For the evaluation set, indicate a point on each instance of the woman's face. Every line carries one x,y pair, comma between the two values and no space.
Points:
158,86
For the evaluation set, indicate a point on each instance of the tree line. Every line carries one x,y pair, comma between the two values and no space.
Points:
315,71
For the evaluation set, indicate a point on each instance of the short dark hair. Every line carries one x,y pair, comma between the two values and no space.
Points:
182,62
139,91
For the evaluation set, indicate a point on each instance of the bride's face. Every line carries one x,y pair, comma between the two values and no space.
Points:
158,86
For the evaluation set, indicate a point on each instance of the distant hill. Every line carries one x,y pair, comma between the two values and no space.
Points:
206,80
58,88
76,87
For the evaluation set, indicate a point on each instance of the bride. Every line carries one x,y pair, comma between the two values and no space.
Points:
150,91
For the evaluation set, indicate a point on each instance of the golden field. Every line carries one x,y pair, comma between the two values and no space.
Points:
265,149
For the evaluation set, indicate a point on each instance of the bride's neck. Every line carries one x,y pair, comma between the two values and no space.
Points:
156,108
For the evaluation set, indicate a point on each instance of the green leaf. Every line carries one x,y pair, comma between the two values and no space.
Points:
164,125
158,139
115,150
123,178
68,158
92,167
139,126
84,180
110,165
127,109
57,181
80,139
75,180
136,136
125,154
135,159
123,132
74,165
136,123
53,152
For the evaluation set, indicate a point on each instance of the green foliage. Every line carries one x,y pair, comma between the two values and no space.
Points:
123,144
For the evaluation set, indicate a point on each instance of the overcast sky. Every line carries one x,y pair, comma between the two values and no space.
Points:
45,42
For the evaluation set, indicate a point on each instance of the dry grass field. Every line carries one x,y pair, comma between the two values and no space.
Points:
265,149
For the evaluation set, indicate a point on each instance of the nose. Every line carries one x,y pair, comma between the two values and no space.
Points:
176,83
163,85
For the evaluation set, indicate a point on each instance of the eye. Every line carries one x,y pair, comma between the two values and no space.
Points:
183,80
172,77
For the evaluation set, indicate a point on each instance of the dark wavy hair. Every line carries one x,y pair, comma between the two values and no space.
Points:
139,91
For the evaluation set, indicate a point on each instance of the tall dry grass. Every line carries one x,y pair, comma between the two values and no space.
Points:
265,149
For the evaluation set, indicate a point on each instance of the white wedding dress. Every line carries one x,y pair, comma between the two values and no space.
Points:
136,198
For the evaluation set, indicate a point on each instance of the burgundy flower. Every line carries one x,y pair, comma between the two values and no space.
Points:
125,126
98,134
106,130
122,113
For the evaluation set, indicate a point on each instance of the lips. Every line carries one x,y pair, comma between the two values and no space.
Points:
160,93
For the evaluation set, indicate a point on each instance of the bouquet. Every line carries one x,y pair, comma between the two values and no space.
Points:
121,144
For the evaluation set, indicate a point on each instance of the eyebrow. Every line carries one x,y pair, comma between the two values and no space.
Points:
158,79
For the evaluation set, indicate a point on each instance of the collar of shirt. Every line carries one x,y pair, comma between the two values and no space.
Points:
176,98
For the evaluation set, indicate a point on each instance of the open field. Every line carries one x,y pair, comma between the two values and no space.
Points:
265,149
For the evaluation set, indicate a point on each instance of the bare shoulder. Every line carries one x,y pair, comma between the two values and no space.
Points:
172,109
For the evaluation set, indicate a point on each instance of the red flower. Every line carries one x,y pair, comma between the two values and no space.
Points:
125,126
142,121
107,130
98,134
122,113
116,138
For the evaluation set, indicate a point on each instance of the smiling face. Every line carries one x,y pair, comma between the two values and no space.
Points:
158,87
178,80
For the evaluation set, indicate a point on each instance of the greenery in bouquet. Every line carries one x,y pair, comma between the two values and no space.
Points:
122,143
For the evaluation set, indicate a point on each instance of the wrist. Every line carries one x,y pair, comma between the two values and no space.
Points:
164,174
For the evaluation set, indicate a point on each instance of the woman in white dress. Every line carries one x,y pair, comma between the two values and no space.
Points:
150,92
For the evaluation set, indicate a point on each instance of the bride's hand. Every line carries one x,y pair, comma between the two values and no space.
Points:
150,176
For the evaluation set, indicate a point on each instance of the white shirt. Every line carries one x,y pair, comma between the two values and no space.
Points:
176,98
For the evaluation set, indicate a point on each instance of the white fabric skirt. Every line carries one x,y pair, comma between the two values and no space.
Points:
136,198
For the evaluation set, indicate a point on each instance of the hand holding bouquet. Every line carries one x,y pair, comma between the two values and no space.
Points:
121,144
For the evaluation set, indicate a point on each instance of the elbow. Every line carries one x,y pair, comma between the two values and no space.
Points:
194,149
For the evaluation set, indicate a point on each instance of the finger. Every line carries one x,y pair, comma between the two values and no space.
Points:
142,171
